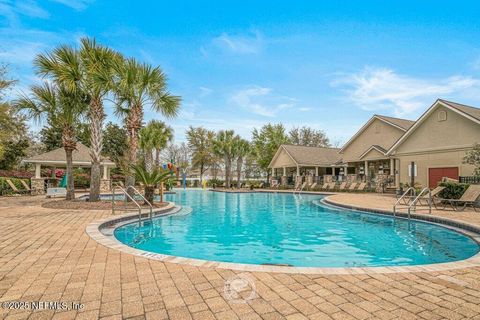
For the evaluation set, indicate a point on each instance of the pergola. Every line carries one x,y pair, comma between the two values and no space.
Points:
57,158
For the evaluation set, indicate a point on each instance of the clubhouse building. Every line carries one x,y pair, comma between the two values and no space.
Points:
390,151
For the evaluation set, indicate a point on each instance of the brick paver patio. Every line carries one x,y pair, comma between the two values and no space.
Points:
45,255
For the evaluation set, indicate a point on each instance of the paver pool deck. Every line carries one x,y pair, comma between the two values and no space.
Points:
45,255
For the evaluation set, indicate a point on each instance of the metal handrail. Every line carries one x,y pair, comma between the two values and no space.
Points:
414,202
127,195
410,189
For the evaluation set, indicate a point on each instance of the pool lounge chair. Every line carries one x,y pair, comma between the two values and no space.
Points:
352,186
302,186
361,186
275,184
434,193
325,186
468,198
14,188
331,186
343,186
312,186
27,187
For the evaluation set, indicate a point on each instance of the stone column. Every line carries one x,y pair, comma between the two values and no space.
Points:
366,170
105,184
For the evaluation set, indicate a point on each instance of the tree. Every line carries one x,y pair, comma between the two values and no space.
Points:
64,108
13,152
136,87
150,180
224,147
153,138
115,143
90,70
266,142
200,141
473,157
51,135
242,148
306,136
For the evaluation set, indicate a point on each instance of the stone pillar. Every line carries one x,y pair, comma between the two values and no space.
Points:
366,170
105,173
38,173
396,172
105,185
38,184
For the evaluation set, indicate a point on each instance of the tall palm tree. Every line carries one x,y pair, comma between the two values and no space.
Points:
90,70
138,85
224,147
163,135
61,107
242,149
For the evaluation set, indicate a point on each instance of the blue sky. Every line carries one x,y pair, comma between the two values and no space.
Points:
325,64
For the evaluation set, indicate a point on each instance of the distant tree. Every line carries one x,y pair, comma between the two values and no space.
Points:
154,138
14,152
473,157
115,144
265,142
200,141
306,136
224,146
242,149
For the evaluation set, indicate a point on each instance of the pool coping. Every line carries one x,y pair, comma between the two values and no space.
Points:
93,230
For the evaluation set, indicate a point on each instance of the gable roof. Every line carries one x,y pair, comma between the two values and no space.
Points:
309,156
80,156
374,147
469,112
402,124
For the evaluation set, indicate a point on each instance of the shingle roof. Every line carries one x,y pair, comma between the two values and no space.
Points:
314,156
402,123
471,111
82,154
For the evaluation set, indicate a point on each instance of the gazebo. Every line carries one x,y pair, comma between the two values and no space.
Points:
56,158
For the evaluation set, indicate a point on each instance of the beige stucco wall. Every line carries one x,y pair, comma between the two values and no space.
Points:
373,155
377,133
438,144
283,160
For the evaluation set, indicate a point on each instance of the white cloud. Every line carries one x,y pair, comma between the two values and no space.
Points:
11,10
240,44
382,88
304,109
259,100
78,5
204,91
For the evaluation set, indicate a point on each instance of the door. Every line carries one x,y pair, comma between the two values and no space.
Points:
435,175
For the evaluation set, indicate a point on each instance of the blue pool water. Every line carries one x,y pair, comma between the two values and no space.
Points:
286,229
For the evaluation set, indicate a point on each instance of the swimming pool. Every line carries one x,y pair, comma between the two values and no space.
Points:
295,230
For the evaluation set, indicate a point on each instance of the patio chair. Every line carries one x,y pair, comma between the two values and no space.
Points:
261,185
331,186
312,186
362,186
352,186
434,193
325,186
27,187
468,198
302,186
343,186
275,184
14,188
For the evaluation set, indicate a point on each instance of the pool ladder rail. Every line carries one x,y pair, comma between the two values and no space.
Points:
410,204
127,195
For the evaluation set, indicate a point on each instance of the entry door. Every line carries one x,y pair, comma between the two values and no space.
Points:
435,175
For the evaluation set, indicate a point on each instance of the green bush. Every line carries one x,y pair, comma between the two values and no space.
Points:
453,190
5,188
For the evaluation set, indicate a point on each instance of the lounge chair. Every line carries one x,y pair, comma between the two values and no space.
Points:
312,186
325,186
362,186
275,184
352,186
15,189
331,186
343,186
302,186
27,187
261,185
468,198
434,193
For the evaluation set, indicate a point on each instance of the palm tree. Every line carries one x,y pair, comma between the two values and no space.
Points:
137,86
90,70
224,147
154,137
151,179
242,148
61,107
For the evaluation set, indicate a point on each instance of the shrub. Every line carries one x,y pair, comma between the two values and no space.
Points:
16,174
453,190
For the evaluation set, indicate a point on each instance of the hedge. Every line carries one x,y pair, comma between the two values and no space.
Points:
5,188
453,190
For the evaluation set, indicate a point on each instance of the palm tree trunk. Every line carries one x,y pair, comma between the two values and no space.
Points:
157,158
161,192
227,172
133,124
239,171
96,139
201,173
69,173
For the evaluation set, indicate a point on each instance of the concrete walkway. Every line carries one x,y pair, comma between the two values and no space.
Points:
45,255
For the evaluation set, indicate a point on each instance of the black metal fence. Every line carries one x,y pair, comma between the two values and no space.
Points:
470,180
